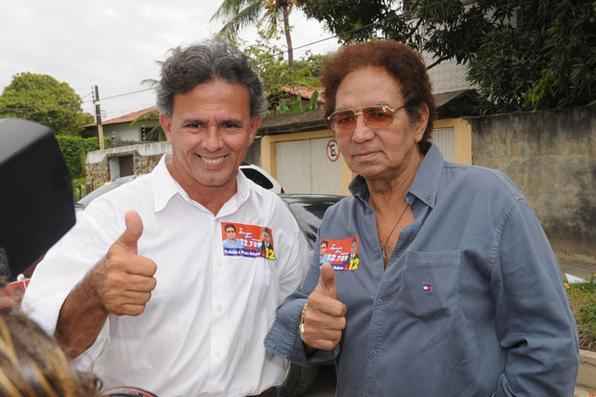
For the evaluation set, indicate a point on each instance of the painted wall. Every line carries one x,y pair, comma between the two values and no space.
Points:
551,156
122,132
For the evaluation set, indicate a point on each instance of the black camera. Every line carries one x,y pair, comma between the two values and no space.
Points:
36,200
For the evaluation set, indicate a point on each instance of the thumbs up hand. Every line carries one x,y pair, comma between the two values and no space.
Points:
324,316
123,280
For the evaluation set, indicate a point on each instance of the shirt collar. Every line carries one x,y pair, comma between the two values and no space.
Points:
165,187
425,185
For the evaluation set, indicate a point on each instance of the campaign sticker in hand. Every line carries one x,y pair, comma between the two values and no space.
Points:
343,254
247,240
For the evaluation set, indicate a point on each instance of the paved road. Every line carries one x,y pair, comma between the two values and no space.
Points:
325,386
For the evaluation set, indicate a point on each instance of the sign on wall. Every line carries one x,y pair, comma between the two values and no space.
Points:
332,150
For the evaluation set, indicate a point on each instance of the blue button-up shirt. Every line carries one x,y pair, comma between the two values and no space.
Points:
470,304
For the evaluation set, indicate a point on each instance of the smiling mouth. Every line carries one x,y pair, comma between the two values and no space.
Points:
213,161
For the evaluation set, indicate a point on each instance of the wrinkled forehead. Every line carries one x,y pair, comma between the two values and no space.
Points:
368,86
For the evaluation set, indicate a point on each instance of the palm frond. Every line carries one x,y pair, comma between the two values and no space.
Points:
247,16
228,8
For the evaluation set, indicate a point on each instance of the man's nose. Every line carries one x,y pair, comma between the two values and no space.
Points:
213,140
361,131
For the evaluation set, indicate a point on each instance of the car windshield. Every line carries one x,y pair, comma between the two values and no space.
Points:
309,212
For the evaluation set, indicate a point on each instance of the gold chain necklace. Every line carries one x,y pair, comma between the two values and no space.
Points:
384,247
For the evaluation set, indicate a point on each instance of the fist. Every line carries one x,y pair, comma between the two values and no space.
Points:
123,280
324,316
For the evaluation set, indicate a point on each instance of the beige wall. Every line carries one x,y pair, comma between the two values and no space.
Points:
463,138
551,156
269,155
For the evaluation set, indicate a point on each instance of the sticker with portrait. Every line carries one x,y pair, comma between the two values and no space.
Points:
342,254
250,241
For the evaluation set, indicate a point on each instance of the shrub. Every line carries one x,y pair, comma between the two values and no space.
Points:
74,149
582,298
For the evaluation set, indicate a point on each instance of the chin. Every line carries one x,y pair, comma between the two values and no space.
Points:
214,178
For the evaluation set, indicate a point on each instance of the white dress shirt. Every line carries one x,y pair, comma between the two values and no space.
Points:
203,329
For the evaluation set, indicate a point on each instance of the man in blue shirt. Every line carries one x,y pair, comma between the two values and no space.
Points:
457,293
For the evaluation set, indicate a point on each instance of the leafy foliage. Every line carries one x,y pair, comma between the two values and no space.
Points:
151,120
522,54
582,298
296,104
265,14
275,73
74,149
42,98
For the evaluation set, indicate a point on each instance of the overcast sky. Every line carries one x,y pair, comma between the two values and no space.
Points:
114,43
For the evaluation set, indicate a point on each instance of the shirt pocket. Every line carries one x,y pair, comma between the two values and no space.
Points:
430,283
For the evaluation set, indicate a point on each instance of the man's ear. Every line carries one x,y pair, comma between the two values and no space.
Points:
422,122
255,124
166,124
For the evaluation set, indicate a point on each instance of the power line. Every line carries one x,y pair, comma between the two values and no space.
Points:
122,94
350,32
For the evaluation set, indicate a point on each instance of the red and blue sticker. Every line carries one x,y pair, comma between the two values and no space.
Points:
342,254
250,241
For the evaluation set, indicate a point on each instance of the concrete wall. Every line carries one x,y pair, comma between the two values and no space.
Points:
122,133
551,156
145,157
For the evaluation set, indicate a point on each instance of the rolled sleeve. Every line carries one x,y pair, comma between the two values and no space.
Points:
534,322
63,267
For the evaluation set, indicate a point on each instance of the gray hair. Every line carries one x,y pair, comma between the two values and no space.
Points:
199,63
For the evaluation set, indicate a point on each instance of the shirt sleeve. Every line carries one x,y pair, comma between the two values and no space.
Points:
283,338
533,319
64,265
295,264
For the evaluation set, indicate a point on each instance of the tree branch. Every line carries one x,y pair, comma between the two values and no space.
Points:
438,61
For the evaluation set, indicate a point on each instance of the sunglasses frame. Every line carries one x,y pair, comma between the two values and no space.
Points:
360,111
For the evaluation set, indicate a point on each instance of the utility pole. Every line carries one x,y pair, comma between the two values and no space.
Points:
98,117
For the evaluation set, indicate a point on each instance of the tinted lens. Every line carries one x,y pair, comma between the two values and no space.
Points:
377,116
344,121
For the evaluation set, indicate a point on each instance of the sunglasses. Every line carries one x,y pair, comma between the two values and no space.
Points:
379,116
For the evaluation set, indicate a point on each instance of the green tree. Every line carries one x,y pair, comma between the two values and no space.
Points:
42,98
266,14
522,54
275,73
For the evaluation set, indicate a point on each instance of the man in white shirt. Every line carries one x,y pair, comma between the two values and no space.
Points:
141,290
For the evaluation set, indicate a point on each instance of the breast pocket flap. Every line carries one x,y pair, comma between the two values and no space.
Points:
430,283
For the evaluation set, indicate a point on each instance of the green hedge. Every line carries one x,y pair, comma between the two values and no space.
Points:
74,149
582,298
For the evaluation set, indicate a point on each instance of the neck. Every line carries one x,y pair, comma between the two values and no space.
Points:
389,193
211,197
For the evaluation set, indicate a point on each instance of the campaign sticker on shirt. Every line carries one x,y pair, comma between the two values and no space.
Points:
247,240
343,255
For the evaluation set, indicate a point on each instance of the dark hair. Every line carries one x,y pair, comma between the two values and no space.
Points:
199,63
230,226
399,60
32,363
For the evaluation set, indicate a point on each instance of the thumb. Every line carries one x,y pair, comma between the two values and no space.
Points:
133,231
327,280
